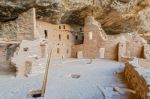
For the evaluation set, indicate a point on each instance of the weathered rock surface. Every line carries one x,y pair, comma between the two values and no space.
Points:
116,16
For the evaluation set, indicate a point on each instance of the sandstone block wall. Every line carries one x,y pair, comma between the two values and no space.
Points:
96,38
30,58
93,36
26,25
122,51
60,37
21,28
128,50
8,30
111,49
146,52
144,63
3,55
135,50
24,70
75,49
136,81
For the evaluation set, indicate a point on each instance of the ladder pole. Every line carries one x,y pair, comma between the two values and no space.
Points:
46,73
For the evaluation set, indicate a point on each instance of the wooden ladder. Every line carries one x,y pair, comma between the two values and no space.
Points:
46,72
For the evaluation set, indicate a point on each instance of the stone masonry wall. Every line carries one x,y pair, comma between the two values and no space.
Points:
95,39
8,30
21,28
60,37
111,49
26,25
75,49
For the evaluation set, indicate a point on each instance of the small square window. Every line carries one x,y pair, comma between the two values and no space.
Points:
45,33
59,27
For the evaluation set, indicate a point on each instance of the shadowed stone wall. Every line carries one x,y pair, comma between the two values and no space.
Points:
21,28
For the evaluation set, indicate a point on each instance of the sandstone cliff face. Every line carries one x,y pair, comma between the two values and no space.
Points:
116,16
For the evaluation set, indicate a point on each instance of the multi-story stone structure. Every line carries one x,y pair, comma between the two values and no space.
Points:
43,36
66,41
99,45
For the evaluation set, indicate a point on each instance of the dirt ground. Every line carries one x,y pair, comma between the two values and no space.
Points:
95,78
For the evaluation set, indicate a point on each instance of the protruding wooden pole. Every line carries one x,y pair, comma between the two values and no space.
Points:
46,73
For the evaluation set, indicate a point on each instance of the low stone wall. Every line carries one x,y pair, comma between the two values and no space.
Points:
30,57
111,49
136,81
135,49
144,63
75,49
24,70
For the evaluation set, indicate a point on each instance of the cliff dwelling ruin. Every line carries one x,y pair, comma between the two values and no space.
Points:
84,54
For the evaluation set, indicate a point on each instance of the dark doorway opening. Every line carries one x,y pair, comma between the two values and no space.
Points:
64,27
59,37
59,27
68,37
45,33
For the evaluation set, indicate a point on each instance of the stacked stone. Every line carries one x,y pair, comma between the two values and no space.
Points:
75,49
136,81
8,30
111,49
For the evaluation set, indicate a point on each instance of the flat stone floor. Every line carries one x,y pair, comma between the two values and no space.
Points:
99,74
